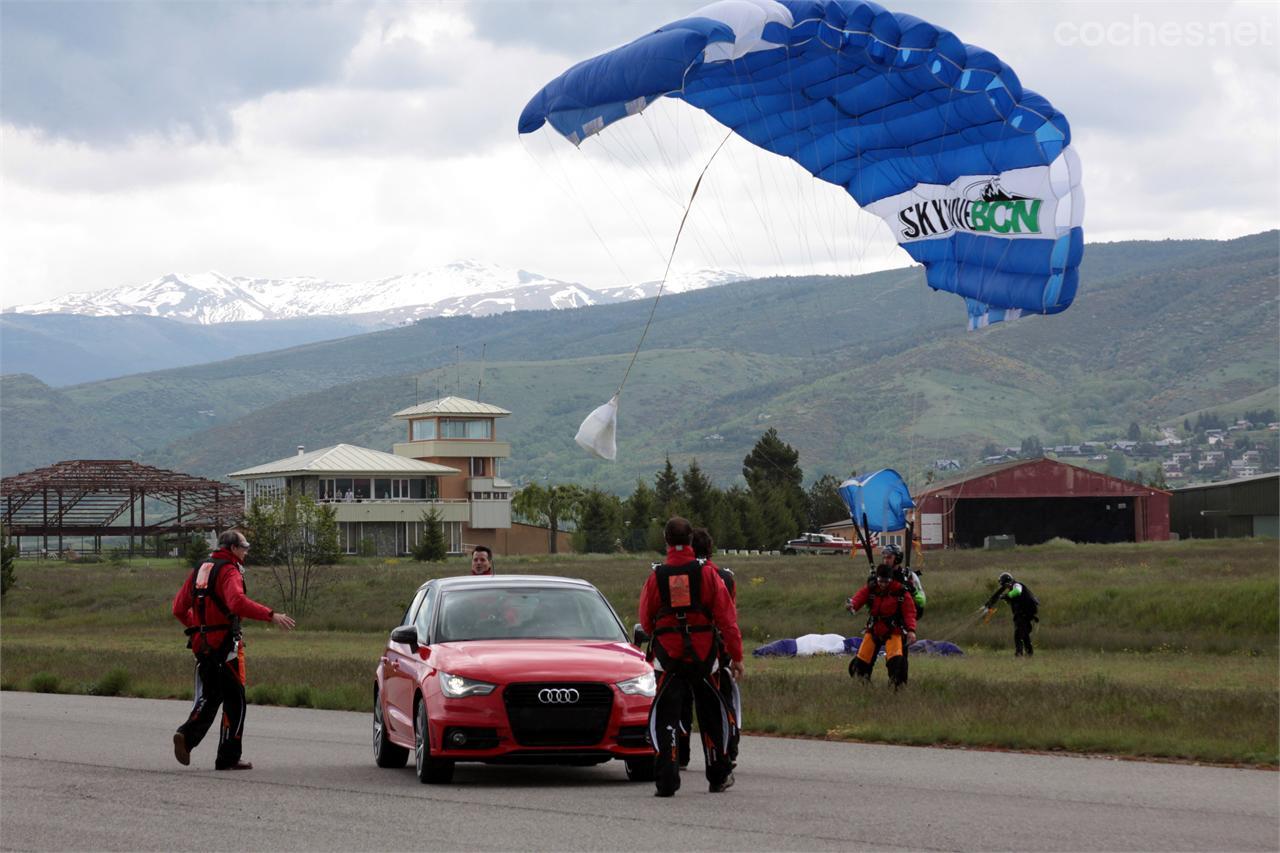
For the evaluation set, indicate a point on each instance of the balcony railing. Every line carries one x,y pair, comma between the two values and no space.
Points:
392,500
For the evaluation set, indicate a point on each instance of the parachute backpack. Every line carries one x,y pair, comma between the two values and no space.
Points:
204,587
680,590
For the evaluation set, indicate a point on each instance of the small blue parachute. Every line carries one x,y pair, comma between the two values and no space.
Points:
882,498
973,173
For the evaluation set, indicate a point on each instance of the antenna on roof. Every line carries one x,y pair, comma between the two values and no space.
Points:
457,369
417,389
480,384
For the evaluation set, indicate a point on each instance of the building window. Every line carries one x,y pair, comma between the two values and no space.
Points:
477,466
453,530
349,535
424,430
269,488
481,428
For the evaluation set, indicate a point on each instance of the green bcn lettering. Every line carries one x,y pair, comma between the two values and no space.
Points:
1026,216
1018,216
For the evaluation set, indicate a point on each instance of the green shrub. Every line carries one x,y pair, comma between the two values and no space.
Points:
264,694
298,696
368,547
43,682
7,555
86,559
195,550
113,683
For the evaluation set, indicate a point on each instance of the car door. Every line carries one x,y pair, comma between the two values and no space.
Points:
401,668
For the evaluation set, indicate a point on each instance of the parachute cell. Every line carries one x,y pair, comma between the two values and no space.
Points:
881,498
973,174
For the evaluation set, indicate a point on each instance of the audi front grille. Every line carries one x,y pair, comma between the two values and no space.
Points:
558,713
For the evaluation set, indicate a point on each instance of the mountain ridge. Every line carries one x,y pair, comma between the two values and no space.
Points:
463,287
862,372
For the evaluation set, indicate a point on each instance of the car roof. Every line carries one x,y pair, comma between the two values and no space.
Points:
506,581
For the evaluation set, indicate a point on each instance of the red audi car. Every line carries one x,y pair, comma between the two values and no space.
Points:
511,669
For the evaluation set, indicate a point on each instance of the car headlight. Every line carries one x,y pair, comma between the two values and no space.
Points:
457,687
641,685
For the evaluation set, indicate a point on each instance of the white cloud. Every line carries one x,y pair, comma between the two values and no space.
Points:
393,148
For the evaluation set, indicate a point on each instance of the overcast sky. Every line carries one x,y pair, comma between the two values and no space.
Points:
358,141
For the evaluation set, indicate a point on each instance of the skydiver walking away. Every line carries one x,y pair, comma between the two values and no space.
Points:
211,604
688,614
703,549
891,621
1025,607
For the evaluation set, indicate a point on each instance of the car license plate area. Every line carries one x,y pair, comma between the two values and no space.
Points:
558,714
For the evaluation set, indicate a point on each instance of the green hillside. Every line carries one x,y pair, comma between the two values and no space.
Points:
855,373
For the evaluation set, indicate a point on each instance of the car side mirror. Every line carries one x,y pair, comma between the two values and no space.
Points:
638,636
406,634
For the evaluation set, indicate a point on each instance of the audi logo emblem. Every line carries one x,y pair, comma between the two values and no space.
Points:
557,696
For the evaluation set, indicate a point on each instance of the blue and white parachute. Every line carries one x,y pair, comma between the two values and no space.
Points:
881,498
973,174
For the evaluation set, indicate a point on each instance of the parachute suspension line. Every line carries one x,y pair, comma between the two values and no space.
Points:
675,243
566,186
641,225
700,144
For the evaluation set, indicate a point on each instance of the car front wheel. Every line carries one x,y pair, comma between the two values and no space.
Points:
385,753
640,769
431,771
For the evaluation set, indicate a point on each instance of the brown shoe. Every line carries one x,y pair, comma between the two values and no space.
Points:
239,765
180,750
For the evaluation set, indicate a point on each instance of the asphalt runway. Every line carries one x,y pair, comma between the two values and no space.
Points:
94,773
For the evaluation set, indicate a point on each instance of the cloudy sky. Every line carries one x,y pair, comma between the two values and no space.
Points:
355,141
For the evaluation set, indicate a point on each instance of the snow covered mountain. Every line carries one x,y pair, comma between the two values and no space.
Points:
465,287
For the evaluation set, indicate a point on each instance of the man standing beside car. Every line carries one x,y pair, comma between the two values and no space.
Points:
687,612
211,604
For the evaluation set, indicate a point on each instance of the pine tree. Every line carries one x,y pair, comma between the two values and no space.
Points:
666,488
701,495
431,547
825,504
599,523
640,515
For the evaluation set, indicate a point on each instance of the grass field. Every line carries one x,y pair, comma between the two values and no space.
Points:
1163,649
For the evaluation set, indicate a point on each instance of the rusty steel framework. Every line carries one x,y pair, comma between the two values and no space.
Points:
95,497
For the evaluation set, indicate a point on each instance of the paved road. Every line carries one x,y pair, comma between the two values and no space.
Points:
86,773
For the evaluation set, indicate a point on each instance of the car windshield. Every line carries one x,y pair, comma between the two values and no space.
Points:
561,613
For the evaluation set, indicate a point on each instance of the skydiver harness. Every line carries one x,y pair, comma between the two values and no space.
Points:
902,574
894,621
204,586
680,589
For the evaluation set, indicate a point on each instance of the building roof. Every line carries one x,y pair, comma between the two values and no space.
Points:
1126,486
344,459
1234,482
452,406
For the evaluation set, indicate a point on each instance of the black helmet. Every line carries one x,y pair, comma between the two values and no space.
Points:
893,549
1006,579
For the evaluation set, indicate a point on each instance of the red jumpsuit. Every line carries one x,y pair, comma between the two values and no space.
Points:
713,716
893,613
219,663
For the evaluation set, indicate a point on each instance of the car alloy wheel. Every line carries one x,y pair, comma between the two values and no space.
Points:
431,771
385,753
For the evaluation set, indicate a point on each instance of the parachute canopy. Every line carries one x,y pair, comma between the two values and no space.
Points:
973,174
881,497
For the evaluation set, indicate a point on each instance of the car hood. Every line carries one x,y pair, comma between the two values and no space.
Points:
504,661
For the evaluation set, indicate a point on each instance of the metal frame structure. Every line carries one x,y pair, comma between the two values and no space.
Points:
92,497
